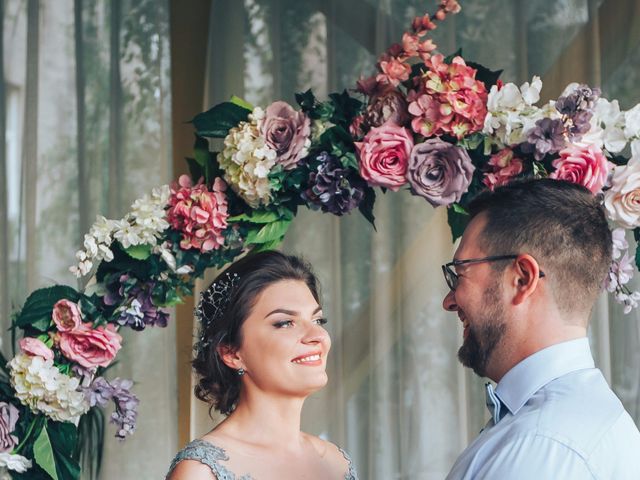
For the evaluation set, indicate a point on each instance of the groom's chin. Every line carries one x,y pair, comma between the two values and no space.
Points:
470,356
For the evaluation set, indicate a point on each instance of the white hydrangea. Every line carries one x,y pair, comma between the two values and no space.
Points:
607,127
43,388
511,112
142,226
247,161
17,463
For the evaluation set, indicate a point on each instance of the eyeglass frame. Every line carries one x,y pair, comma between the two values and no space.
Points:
451,277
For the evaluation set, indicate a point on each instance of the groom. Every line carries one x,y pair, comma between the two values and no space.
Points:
525,277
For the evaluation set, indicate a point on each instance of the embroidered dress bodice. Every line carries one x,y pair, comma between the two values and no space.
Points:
211,455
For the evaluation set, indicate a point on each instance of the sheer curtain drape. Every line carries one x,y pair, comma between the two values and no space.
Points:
398,400
85,101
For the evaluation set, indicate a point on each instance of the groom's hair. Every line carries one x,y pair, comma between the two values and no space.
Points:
561,224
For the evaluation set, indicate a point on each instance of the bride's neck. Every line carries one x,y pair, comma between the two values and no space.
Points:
268,420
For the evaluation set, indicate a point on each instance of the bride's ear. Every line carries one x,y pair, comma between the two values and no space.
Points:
230,356
526,277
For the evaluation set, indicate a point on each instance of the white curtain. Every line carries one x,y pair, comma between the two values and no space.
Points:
85,101
398,400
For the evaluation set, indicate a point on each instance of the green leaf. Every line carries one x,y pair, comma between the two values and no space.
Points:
201,151
349,160
139,252
306,100
37,310
195,170
257,216
459,209
269,233
538,170
43,453
457,221
261,247
486,76
217,121
366,206
241,102
458,53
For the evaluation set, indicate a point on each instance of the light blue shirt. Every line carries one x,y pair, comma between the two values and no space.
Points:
562,422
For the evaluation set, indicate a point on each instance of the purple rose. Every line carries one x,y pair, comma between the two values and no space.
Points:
287,132
8,419
439,171
388,106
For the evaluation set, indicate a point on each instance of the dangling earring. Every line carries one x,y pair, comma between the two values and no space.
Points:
240,372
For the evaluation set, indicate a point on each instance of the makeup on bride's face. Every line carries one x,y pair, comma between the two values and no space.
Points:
284,342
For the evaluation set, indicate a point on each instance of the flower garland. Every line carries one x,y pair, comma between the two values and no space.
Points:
441,127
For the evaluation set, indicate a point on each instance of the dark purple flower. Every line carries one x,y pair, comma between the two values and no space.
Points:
8,419
546,137
136,307
333,188
576,106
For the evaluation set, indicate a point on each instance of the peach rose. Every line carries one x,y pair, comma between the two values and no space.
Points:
66,315
384,156
91,347
34,347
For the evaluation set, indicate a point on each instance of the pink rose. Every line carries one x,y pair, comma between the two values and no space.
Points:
384,155
585,166
503,168
34,347
66,315
286,131
91,347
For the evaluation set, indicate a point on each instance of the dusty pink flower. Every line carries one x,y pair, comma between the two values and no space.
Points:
287,132
390,106
413,47
393,70
91,347
384,154
34,347
448,99
198,214
8,419
503,168
356,129
66,315
585,166
439,171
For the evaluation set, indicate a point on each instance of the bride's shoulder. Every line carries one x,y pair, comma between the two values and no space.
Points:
332,452
198,460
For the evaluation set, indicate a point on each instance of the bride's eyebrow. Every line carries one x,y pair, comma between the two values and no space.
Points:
293,313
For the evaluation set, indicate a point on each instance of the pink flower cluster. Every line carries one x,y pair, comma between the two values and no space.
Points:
503,167
78,341
199,214
448,99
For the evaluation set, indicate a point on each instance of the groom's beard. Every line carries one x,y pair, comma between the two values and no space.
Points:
484,334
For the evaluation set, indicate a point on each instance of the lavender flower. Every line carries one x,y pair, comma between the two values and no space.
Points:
126,403
619,242
333,188
546,137
576,106
8,419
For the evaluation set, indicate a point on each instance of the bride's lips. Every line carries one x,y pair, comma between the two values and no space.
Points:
309,359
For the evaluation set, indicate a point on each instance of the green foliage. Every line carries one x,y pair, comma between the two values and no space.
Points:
139,252
366,206
89,446
217,121
43,454
37,310
486,76
458,219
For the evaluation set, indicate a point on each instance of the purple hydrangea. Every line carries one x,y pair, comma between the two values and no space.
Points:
577,109
333,188
136,309
8,418
126,404
546,137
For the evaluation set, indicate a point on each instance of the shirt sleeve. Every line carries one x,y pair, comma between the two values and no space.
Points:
534,457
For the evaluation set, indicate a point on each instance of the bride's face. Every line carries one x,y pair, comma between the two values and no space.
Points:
284,344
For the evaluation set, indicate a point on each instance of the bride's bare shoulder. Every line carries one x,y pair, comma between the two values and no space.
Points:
330,451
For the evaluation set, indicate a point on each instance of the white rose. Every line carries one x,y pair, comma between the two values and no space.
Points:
622,201
632,122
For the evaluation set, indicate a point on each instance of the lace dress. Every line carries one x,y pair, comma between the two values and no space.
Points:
210,455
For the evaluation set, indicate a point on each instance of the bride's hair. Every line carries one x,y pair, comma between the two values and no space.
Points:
222,310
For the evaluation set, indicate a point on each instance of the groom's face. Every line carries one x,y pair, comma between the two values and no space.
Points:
478,301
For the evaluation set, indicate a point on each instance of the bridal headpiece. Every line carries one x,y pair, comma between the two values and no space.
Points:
214,302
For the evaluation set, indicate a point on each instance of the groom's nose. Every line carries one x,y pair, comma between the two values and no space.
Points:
449,302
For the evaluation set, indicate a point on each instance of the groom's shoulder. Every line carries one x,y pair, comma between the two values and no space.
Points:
580,410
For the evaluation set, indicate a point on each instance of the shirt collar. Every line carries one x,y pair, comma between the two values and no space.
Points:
520,383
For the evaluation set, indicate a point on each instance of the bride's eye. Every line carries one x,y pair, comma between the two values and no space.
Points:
284,324
321,321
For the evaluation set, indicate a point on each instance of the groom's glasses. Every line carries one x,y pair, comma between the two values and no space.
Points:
451,277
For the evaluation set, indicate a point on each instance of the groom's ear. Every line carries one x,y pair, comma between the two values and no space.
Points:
230,357
524,278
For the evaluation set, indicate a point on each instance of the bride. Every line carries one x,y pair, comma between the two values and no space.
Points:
262,351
